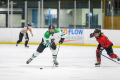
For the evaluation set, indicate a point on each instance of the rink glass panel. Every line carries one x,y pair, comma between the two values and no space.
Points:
112,14
32,14
3,14
82,12
18,14
95,14
67,14
50,13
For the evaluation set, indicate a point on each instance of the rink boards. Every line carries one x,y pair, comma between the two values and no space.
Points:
74,37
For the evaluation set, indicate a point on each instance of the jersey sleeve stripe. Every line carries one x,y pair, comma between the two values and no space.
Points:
25,31
48,44
63,35
30,30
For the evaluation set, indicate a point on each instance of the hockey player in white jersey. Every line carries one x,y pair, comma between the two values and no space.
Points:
24,33
48,41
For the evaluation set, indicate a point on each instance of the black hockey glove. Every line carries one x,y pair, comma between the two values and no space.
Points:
61,40
100,50
91,35
52,40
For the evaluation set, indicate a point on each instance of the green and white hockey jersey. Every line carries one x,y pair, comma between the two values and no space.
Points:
47,38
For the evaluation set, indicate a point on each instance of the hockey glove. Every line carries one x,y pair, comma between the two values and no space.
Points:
52,40
61,40
91,35
100,50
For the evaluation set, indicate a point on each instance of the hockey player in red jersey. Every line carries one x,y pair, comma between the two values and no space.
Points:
104,43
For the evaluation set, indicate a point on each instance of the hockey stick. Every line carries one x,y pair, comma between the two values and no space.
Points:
57,54
110,59
58,49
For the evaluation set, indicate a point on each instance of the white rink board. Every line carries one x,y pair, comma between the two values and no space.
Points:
74,36
12,35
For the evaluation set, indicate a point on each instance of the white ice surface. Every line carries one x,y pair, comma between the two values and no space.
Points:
75,63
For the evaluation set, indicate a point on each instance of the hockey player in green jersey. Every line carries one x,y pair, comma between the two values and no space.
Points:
48,41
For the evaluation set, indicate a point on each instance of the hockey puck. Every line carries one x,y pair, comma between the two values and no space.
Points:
41,68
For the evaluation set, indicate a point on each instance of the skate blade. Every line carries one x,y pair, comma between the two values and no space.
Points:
97,65
56,65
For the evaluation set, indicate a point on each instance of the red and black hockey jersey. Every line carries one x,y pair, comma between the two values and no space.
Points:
104,41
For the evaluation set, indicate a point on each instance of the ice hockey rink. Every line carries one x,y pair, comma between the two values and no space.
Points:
75,63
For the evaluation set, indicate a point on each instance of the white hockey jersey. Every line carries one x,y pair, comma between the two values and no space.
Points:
24,31
48,38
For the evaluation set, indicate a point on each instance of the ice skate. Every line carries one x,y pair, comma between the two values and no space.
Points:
98,64
118,59
55,63
16,44
26,46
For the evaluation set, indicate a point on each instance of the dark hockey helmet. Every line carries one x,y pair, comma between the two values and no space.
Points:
97,31
51,27
30,24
